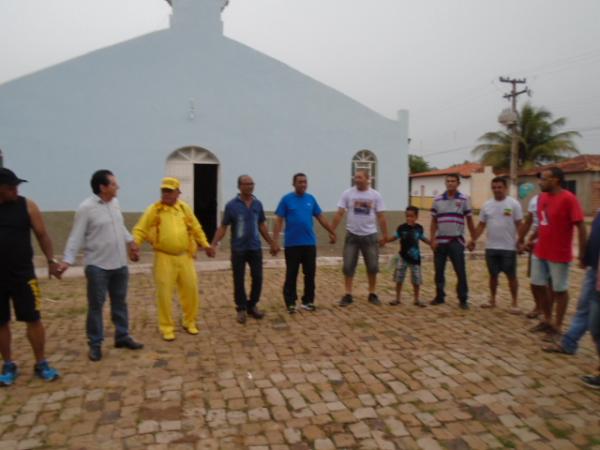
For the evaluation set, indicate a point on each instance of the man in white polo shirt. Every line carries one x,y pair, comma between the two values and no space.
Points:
365,209
502,217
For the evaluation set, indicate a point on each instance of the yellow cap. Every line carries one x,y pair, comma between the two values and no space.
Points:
170,183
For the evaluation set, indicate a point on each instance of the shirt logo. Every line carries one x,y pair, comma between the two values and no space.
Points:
507,211
362,207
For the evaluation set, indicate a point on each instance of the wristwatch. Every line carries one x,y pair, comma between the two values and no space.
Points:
53,261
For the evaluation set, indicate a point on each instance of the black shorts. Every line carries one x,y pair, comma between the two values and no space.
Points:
26,299
501,261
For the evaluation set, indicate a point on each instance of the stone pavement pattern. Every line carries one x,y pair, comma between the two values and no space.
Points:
364,377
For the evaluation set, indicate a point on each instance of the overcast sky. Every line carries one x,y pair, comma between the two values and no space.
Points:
440,59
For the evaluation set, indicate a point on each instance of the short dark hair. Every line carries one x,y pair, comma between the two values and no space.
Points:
239,181
296,175
413,209
557,172
100,177
453,175
500,180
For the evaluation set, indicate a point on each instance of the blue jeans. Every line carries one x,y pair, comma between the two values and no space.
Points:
99,282
595,321
580,322
455,251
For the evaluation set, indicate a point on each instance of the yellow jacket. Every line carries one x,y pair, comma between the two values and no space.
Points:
170,229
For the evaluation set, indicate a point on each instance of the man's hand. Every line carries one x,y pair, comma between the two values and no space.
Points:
471,245
274,248
332,238
134,252
210,252
54,269
434,245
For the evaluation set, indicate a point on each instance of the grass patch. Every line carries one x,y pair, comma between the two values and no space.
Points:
506,443
560,433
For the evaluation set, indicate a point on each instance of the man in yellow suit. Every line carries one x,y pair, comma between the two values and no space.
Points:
174,232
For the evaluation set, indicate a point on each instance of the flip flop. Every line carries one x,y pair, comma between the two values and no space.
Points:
532,315
420,304
488,306
555,348
394,303
515,311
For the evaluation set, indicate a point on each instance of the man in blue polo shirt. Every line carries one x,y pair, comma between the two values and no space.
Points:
298,209
246,216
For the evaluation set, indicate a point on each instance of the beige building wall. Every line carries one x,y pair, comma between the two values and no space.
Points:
481,187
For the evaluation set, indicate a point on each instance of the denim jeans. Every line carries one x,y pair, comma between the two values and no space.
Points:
99,283
294,256
580,322
595,321
238,265
456,252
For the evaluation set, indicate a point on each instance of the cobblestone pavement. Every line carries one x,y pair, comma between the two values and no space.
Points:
364,377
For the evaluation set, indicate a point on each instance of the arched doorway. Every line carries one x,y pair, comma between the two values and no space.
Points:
365,160
198,171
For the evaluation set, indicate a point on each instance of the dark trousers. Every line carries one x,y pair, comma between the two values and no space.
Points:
238,265
456,252
305,255
99,283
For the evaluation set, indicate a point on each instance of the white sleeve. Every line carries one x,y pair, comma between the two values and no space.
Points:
343,203
77,235
518,211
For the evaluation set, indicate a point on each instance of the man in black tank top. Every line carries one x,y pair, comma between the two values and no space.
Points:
18,216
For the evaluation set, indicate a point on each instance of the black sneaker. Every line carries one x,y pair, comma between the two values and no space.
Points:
436,301
373,299
592,381
291,309
308,306
346,300
464,305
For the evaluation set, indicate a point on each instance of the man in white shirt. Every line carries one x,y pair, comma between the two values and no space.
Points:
100,230
502,217
365,209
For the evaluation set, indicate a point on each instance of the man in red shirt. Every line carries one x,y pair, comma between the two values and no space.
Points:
558,213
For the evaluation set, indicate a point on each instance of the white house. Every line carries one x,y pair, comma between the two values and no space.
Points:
475,182
189,102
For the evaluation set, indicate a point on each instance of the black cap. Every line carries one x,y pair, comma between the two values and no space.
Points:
7,176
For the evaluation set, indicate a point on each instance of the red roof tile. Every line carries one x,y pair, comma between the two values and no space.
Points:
464,170
581,163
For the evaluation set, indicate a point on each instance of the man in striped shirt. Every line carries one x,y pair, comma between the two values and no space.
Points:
448,215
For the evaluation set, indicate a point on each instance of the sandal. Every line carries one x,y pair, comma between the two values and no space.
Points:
420,304
555,348
488,305
516,311
395,303
533,315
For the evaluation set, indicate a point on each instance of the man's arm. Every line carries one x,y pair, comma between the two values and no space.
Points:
383,227
432,232
219,234
325,224
39,229
582,240
471,226
278,228
264,232
337,218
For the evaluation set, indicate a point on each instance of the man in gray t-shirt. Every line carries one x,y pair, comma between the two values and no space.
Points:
502,217
365,210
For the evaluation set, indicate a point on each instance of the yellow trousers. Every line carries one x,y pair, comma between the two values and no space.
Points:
172,272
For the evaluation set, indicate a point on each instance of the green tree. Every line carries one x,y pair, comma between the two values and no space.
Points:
417,164
540,141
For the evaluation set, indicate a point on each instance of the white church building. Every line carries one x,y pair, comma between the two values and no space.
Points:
189,102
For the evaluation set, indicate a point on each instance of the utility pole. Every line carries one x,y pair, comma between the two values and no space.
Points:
514,149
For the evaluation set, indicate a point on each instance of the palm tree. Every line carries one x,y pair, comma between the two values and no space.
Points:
540,142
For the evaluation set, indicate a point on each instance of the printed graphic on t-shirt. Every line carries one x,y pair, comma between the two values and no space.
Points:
362,207
508,211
